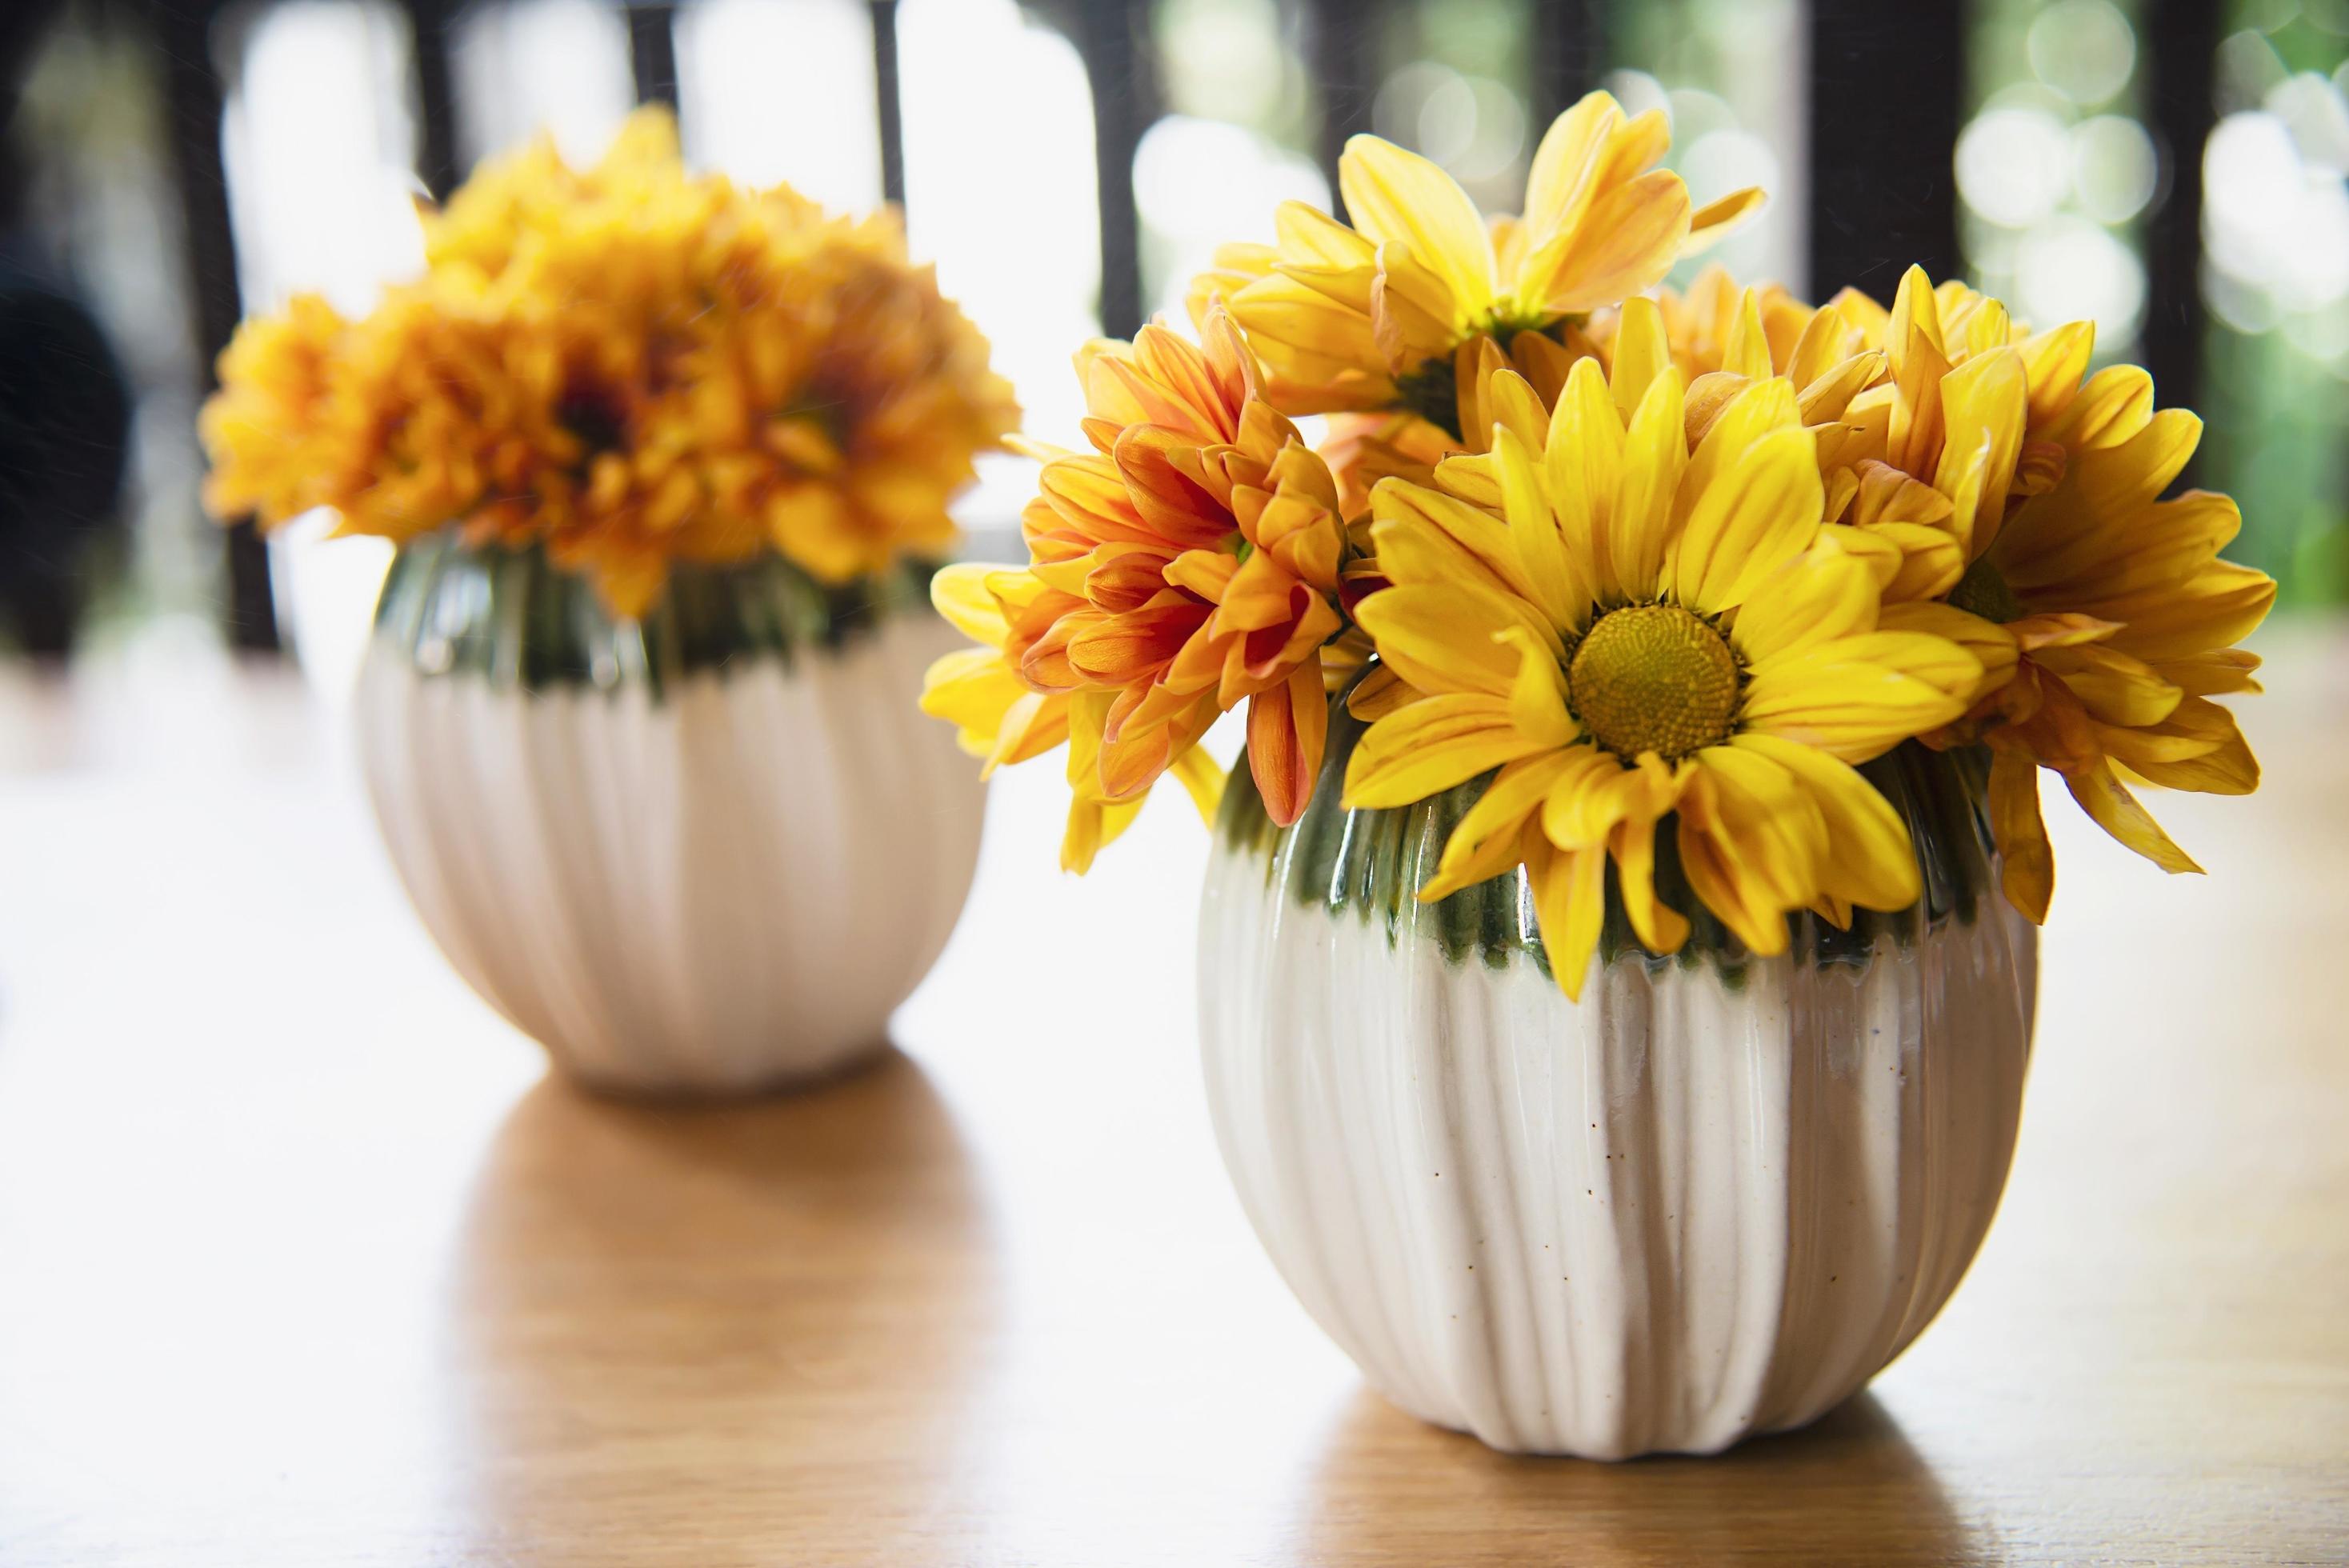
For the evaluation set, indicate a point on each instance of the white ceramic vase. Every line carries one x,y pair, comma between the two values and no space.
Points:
706,852
1711,1200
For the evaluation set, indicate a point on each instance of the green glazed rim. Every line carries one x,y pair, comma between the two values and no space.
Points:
1371,865
515,619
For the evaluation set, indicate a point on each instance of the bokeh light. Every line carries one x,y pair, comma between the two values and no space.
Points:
2057,169
1472,124
2114,169
2084,49
2014,165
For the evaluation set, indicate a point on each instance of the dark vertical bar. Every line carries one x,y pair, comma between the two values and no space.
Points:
193,100
1347,38
889,101
1887,85
652,50
2182,36
428,23
1109,29
1569,47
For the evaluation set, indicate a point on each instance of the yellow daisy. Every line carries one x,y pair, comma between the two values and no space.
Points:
1647,630
1371,317
2103,617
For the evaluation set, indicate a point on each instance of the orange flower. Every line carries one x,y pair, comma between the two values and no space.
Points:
1190,562
1204,539
628,366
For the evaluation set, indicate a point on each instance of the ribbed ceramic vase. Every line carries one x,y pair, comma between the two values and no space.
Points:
1711,1200
704,852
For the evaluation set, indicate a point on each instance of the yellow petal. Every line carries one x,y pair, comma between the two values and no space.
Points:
1398,197
1625,242
1746,351
1570,904
1760,408
1535,535
1870,861
2197,748
1380,693
1716,221
1558,185
1430,746
1757,515
1824,593
1655,461
2114,688
1660,927
1460,542
1582,463
2053,362
1537,701
1984,403
1642,351
1857,697
1485,843
961,594
2110,805
1993,645
2028,861
2221,605
1092,826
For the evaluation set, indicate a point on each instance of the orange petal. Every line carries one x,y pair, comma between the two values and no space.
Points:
1287,728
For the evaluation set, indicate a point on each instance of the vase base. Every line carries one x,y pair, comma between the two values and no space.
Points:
1701,1448
656,1087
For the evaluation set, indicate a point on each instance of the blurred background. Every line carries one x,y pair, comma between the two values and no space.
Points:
2173,168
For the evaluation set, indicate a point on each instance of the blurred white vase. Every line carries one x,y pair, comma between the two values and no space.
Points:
706,852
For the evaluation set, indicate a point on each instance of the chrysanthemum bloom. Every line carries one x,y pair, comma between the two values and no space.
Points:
1722,336
630,368
1648,628
1372,316
1003,719
2103,617
1193,562
274,380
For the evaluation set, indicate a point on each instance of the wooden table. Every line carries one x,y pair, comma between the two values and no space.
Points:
304,1261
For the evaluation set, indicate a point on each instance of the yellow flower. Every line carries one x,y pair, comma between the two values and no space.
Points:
1371,317
2104,618
1644,628
262,426
1722,337
628,366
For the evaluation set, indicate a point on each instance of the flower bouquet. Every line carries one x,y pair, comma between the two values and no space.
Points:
663,460
1617,956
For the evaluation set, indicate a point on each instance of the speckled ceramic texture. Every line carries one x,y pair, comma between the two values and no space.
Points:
1713,1199
706,853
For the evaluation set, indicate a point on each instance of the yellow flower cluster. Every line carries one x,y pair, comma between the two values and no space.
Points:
1640,562
630,367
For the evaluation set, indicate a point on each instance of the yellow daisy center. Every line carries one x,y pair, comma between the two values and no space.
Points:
1653,678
